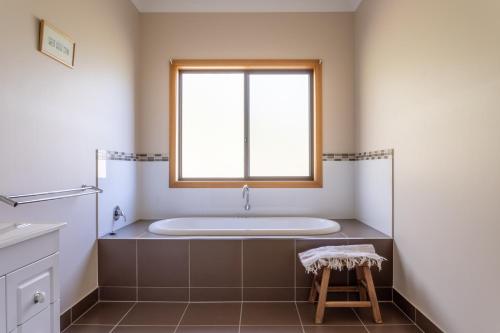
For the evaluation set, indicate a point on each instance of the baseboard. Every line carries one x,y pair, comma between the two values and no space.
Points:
424,323
77,310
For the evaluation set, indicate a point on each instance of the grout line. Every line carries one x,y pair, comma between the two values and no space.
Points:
295,271
136,270
189,271
241,315
242,286
182,317
300,318
359,318
123,317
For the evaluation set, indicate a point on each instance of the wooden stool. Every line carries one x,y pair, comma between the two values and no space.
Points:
365,285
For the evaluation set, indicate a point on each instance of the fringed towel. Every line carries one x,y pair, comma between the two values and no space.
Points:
338,257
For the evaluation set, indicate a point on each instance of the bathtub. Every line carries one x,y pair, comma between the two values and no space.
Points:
244,226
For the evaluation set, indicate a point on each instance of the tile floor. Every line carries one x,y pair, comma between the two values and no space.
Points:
144,317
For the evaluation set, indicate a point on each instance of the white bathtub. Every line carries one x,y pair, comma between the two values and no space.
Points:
244,226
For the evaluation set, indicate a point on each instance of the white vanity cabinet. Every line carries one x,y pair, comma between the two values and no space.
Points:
3,302
29,282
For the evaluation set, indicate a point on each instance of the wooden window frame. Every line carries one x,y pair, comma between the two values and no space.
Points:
317,126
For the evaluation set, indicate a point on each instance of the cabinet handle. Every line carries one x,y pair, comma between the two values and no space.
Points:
39,297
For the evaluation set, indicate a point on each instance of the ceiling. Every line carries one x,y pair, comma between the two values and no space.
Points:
176,6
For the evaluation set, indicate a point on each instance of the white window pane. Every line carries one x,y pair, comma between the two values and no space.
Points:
279,125
212,139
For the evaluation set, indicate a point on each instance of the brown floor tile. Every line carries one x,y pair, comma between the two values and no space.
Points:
155,314
215,263
333,316
271,329
163,263
212,314
145,329
105,313
117,266
269,314
334,329
390,315
207,329
393,329
88,329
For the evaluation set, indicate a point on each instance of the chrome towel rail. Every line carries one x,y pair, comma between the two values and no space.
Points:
83,190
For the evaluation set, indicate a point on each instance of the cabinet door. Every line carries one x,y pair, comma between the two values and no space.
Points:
41,323
3,303
31,290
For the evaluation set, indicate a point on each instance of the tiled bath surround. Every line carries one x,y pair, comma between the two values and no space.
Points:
151,268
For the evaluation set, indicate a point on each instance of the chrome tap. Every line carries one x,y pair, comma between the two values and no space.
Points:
246,196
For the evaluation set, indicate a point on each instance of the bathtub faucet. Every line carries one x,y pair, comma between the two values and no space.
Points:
246,196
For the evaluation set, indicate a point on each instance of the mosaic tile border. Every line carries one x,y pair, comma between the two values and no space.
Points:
122,156
375,155
163,157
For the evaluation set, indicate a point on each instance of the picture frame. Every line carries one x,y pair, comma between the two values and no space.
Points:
56,44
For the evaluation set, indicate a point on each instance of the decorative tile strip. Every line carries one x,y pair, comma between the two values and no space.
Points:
152,157
375,155
372,155
121,156
157,157
339,157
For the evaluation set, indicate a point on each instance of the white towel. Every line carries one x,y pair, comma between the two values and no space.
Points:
338,257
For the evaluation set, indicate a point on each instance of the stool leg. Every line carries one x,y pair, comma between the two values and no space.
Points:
372,294
313,292
359,278
320,309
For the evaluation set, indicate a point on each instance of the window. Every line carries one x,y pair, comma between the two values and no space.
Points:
236,122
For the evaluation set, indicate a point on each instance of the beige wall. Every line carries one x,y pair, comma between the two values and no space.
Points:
325,36
52,118
428,84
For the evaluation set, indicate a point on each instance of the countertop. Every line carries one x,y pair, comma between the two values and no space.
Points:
13,233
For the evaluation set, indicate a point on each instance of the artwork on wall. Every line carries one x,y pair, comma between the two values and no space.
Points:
56,44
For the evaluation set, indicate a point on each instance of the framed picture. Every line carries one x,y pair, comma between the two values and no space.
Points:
56,44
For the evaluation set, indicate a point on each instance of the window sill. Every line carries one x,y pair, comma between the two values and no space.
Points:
252,184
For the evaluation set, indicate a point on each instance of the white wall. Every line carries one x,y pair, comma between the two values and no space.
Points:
158,201
119,183
52,118
326,36
427,84
373,193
